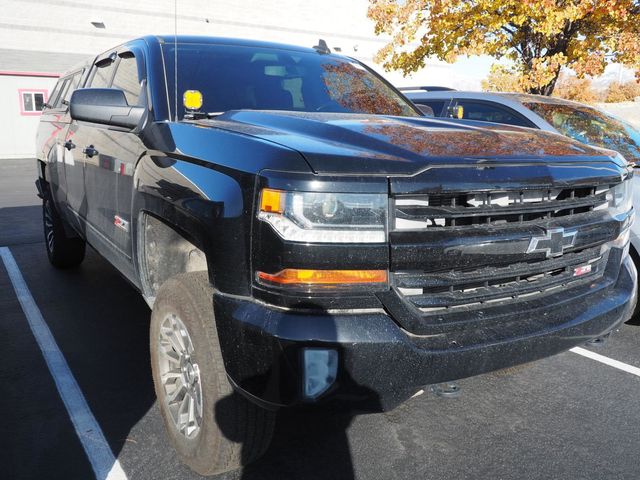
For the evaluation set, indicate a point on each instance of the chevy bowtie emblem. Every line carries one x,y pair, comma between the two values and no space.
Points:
553,243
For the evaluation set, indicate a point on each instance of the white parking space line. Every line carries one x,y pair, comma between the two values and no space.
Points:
104,464
607,361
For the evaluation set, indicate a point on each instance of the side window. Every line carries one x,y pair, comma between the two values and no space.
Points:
64,88
54,94
490,112
102,75
127,79
71,86
63,92
436,105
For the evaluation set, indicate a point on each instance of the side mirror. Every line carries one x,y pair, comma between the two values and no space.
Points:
107,106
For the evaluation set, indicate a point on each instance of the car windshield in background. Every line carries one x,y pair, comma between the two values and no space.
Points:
588,125
238,77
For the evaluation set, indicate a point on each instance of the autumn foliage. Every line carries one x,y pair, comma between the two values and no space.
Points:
352,89
568,86
577,89
539,37
622,92
501,79
465,142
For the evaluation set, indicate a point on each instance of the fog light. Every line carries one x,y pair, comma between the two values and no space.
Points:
320,369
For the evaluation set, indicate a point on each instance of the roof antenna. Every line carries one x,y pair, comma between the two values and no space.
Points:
322,47
175,53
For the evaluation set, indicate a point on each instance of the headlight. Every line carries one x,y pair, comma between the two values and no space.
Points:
325,217
620,198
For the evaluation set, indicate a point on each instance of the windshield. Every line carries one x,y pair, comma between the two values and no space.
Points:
591,126
259,78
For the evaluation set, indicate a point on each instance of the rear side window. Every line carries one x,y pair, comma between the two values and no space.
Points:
57,101
71,86
127,79
491,112
54,94
62,91
102,75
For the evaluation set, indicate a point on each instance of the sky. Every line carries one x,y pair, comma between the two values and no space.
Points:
467,73
464,74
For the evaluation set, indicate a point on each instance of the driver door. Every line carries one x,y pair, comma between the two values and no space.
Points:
110,157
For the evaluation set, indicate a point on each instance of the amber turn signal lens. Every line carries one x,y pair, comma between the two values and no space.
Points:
271,201
291,276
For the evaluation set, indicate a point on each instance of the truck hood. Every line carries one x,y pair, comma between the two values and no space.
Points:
335,143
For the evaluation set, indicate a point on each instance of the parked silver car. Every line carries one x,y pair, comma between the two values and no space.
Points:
581,122
578,121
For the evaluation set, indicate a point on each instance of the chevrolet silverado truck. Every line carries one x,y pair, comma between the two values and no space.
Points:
306,238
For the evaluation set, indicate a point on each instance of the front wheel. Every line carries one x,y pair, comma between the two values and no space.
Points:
635,317
213,429
63,251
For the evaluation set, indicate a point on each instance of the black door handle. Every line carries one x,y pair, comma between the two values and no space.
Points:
90,151
69,145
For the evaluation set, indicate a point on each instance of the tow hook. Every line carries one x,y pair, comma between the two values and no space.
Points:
600,341
446,390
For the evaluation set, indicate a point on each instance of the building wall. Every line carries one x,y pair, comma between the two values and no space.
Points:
65,26
52,35
18,128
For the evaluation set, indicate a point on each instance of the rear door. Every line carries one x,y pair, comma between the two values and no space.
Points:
51,130
52,137
68,153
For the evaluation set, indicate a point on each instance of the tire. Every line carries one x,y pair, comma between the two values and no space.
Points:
63,251
227,431
635,317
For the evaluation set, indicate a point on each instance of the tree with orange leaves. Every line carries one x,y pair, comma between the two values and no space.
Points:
538,37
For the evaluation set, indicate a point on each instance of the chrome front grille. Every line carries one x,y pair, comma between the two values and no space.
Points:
438,211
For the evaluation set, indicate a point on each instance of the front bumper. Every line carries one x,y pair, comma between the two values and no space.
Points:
381,365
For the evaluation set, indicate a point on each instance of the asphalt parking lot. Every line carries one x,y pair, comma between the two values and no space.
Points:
566,417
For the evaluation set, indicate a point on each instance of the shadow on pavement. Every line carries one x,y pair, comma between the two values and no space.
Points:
309,445
20,225
311,442
101,325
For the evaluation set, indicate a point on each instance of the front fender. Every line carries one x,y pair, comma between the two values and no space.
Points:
208,207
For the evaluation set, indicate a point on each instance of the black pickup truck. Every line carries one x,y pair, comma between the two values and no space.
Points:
304,236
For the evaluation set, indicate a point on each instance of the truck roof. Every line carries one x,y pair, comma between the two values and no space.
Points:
201,39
